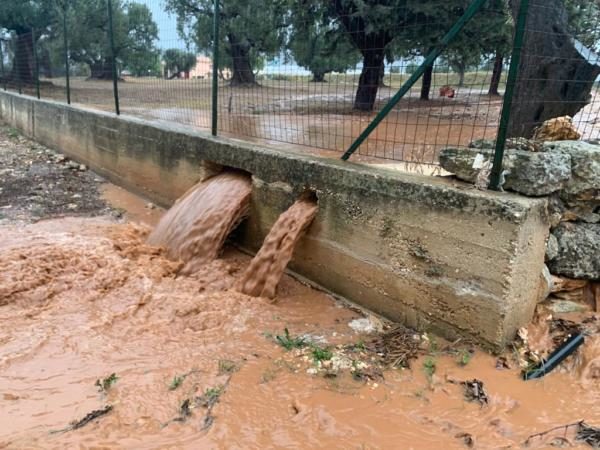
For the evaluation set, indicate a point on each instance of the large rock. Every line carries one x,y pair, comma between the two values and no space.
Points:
584,185
577,211
578,251
529,173
551,247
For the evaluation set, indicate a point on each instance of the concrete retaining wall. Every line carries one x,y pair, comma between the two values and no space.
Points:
420,250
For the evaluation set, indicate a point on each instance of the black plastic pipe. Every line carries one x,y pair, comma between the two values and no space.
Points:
555,358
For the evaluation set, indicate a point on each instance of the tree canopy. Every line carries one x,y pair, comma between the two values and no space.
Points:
317,43
250,31
135,33
178,61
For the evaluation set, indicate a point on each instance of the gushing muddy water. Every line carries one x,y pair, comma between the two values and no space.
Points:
196,227
85,298
262,276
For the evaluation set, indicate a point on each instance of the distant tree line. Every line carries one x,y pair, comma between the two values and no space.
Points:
323,36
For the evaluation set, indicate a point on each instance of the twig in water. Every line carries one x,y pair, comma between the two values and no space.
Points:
560,427
87,419
589,435
474,391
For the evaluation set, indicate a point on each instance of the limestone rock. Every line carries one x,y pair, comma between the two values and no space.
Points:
530,173
557,129
562,284
578,251
584,184
519,143
559,306
546,284
582,211
551,247
592,295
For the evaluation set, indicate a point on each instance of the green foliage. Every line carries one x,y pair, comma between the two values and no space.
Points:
317,43
584,16
250,31
135,33
176,382
178,61
289,342
210,396
22,16
227,366
321,354
105,384
464,357
429,367
13,133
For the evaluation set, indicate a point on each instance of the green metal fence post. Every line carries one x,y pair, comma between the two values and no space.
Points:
2,64
215,68
36,64
66,48
511,81
17,69
429,60
111,42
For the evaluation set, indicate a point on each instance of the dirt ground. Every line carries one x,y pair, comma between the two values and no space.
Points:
38,183
303,116
317,118
104,344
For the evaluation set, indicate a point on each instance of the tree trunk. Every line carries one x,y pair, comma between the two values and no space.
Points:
368,83
46,69
496,74
101,70
23,67
382,75
459,67
372,47
318,77
556,72
426,82
461,76
242,73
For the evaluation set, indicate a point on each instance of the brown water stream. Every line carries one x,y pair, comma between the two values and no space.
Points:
84,298
262,276
196,227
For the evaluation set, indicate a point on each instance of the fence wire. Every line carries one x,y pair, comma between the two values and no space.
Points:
310,75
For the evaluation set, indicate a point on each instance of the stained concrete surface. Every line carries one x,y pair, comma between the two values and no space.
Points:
424,251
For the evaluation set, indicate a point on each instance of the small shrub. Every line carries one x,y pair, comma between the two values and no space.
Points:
288,342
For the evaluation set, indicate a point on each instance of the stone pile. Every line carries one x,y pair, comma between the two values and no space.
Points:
568,173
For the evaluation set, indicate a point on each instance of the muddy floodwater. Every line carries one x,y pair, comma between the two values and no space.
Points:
83,298
106,344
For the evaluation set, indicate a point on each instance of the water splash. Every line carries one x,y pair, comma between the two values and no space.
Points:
195,228
262,276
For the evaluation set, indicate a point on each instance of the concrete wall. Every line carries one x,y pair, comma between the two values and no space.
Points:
420,250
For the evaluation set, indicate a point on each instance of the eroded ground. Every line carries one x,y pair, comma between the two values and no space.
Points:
197,365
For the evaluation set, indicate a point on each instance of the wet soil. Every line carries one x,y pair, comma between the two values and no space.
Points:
199,365
38,183
317,118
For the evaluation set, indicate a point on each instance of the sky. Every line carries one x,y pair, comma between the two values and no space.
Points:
167,25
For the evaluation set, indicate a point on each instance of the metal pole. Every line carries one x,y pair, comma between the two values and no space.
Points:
17,68
36,64
113,56
429,60
215,68
66,45
511,81
2,64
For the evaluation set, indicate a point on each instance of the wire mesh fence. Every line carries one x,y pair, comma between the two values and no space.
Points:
311,75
